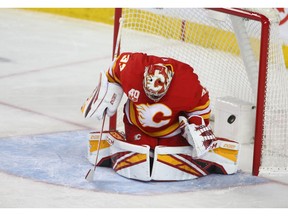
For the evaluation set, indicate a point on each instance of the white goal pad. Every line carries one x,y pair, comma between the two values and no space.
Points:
128,160
169,163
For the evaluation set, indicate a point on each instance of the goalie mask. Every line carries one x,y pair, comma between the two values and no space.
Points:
157,79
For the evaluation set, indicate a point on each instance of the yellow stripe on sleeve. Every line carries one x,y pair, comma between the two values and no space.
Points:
202,107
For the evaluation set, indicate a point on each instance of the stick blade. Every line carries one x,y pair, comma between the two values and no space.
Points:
90,175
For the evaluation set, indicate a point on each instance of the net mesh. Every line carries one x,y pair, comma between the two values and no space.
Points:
206,40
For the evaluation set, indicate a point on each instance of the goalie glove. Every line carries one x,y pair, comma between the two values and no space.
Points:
200,137
106,95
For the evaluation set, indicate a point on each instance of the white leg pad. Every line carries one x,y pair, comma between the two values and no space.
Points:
175,164
104,152
225,154
170,163
130,161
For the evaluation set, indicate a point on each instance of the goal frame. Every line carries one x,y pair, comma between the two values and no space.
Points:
262,74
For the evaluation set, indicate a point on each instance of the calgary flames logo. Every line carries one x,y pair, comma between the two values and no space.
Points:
283,15
148,113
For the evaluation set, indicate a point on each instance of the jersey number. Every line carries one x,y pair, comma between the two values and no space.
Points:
133,95
123,62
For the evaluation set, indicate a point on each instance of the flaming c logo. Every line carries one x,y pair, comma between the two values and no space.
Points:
284,18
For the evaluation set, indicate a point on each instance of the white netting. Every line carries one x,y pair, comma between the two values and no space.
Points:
275,146
210,46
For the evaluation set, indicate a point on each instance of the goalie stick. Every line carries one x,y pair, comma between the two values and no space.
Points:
90,174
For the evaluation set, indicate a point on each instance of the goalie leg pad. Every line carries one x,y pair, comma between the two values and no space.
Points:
129,160
178,163
224,155
104,150
169,164
175,164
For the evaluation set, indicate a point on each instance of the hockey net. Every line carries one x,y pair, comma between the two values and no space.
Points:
230,50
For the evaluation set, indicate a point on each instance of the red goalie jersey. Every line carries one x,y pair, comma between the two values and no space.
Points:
159,118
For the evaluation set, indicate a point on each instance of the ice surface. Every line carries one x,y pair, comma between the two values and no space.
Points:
48,67
60,158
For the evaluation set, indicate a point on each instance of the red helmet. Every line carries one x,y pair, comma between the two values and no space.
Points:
157,79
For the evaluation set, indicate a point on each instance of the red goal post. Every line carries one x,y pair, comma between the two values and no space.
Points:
138,23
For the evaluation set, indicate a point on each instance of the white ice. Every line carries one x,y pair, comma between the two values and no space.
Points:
48,66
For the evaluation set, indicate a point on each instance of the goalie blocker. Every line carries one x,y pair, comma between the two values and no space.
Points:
106,96
165,163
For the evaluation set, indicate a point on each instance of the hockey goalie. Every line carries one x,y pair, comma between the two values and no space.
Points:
166,118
